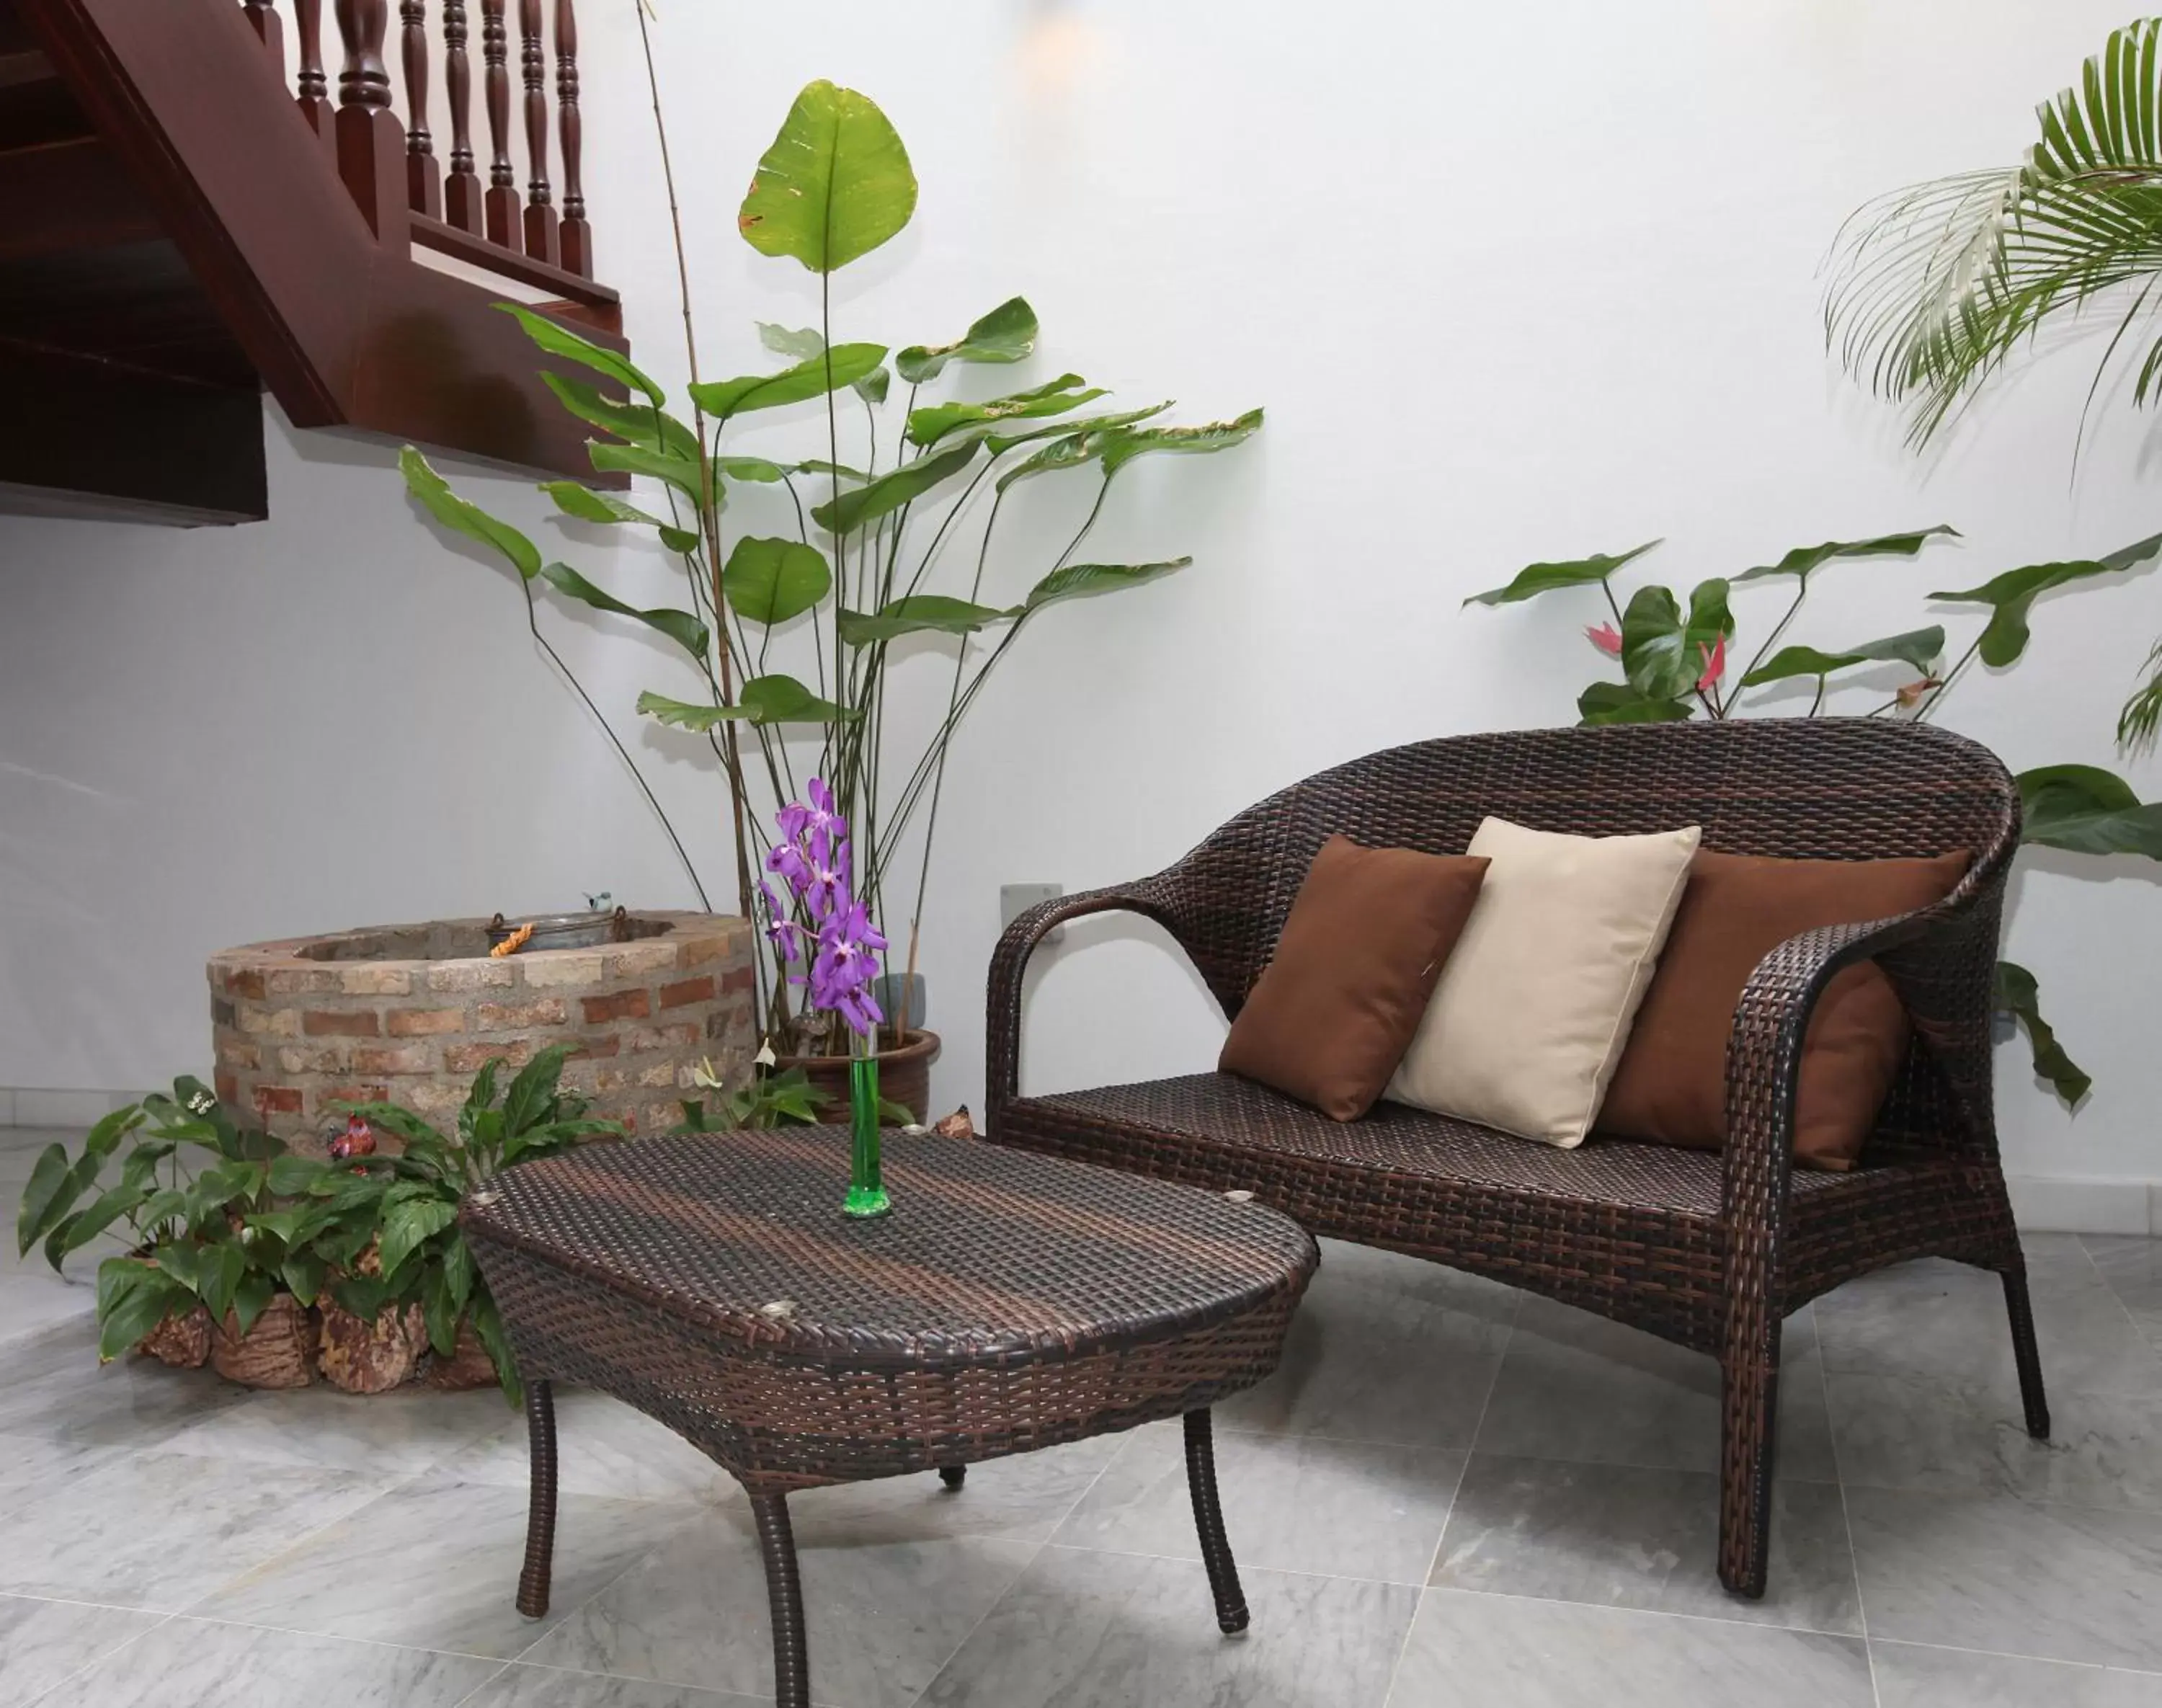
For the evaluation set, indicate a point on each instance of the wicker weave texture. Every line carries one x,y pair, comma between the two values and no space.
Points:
1711,1251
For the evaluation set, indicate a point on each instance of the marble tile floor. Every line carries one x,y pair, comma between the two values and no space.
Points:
1451,1495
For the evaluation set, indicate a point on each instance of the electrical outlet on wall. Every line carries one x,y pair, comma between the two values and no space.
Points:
1016,899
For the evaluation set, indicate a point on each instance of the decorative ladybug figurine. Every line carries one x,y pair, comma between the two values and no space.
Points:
357,1139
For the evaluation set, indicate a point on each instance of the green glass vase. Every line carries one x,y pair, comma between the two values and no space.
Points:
866,1176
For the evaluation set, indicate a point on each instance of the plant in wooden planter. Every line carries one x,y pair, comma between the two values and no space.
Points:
405,1278
210,1268
875,548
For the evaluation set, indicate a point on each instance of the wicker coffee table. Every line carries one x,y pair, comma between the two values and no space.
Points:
1010,1301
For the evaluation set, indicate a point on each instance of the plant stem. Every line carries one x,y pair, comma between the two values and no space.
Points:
1951,676
1779,628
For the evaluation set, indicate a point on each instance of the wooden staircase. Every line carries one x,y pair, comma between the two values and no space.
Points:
178,231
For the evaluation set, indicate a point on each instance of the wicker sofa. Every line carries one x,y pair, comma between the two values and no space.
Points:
1711,1251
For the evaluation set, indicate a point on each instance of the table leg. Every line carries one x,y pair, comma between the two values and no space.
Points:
1231,1615
953,1476
784,1594
541,1512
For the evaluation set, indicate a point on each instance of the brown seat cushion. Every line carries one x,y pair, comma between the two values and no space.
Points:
1329,1017
1671,1087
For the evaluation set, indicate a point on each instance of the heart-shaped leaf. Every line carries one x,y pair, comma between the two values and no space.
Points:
2017,993
1006,334
2089,811
770,581
1920,648
561,340
928,426
918,613
830,370
1078,580
2014,592
1617,703
835,185
453,512
1805,559
685,630
1663,654
1545,577
846,511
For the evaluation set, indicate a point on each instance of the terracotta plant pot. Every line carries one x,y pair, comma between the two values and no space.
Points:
371,1357
469,1365
278,1350
904,1076
181,1341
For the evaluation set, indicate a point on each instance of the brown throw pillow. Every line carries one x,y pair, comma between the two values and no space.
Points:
1671,1086
1329,1017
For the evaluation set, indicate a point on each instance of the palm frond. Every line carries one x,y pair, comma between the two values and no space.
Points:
2142,716
1936,286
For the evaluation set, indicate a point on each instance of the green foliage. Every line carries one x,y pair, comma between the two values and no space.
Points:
2088,811
770,1099
1804,560
763,700
2013,593
1080,580
559,340
1619,703
1664,653
469,519
927,426
1537,579
2017,993
771,581
848,511
918,613
1920,649
843,365
1006,334
834,185
685,630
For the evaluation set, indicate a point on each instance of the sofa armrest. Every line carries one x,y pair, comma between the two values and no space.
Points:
1149,897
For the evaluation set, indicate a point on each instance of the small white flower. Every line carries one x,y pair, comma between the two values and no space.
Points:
765,1058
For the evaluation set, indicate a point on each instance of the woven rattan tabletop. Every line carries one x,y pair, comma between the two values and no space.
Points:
990,1256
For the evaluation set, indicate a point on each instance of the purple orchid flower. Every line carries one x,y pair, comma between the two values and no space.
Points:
813,858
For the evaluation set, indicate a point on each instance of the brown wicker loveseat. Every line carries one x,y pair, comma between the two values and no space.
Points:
1709,1249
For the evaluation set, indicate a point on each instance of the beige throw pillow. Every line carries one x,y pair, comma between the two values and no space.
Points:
1528,1021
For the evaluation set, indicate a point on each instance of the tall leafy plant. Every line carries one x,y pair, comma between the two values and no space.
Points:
1674,658
893,555
1939,286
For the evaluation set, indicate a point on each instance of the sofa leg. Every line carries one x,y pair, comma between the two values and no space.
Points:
2032,1398
1749,1388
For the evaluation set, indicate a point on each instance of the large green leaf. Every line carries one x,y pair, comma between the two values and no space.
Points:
929,425
51,1195
406,1225
801,344
834,185
2011,593
1006,334
1545,577
1920,647
2018,994
767,699
1097,426
685,630
842,365
1126,444
1078,580
751,469
587,505
561,340
846,511
1070,451
133,1298
638,424
533,1091
446,507
1617,703
678,471
918,613
1662,653
770,581
107,1208
2088,811
1805,559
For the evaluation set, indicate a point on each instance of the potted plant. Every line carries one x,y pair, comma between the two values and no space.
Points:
211,1268
869,554
395,1235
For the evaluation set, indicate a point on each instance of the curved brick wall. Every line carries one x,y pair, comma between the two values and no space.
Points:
407,1014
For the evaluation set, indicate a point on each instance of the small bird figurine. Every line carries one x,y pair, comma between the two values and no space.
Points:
357,1139
956,1125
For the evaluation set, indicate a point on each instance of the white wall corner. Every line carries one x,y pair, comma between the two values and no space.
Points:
33,1106
2045,1206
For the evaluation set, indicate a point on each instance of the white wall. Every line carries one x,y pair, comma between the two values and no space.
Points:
1514,283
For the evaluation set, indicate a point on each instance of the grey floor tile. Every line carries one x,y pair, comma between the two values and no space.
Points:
1023,1498
1361,1509
1621,1537
1385,1348
55,1388
2057,1583
1087,1630
399,1433
42,1642
32,1468
192,1663
1470,1650
162,1530
882,1614
1947,1322
434,1563
1968,1439
1578,1387
31,1303
1909,1677
521,1686
2132,1270
604,1447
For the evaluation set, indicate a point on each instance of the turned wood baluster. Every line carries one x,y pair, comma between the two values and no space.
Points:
371,142
314,99
502,200
264,15
577,235
424,183
462,198
542,242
